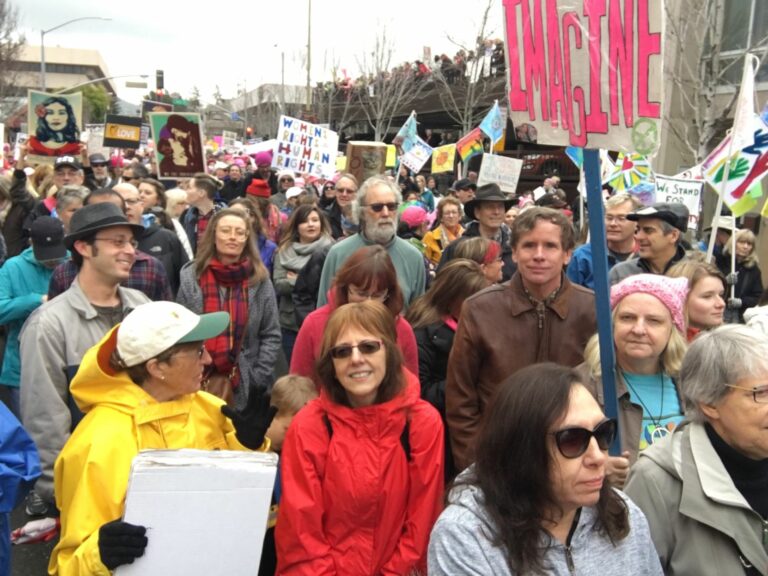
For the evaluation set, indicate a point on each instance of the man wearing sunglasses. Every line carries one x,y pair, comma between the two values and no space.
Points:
376,205
537,316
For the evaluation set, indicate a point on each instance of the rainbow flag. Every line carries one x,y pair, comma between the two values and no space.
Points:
470,145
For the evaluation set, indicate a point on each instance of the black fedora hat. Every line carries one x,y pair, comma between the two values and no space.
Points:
94,217
487,193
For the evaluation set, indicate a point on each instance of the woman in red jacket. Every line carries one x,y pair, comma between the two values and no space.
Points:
368,274
362,465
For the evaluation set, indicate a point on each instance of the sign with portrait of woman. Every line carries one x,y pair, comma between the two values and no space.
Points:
54,122
178,143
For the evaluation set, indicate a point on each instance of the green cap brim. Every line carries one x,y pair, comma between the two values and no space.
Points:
210,325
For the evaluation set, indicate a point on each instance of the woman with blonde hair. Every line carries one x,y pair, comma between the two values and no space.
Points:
649,342
749,278
227,275
705,304
485,252
447,230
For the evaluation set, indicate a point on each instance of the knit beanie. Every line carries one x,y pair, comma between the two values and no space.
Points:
671,292
259,188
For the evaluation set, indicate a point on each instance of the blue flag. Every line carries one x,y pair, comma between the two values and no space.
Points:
493,124
407,135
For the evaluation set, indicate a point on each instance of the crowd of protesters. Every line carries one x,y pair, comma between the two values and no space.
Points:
424,360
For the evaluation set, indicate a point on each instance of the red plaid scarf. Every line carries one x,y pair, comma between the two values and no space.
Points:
233,278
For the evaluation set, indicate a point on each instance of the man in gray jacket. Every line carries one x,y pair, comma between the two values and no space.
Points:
57,335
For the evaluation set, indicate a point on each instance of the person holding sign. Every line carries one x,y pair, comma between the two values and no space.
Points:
649,341
362,466
140,389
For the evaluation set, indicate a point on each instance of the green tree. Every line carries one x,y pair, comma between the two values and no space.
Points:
96,103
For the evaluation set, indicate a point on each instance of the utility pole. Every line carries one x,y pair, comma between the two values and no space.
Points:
309,54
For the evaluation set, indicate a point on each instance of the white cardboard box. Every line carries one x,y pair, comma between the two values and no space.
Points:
205,511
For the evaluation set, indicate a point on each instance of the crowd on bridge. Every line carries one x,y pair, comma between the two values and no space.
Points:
422,357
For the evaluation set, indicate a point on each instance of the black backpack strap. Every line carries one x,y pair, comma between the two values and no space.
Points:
405,440
327,422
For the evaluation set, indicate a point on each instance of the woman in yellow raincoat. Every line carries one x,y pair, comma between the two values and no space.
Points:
140,389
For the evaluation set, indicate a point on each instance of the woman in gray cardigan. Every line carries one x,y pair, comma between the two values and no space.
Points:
228,275
704,489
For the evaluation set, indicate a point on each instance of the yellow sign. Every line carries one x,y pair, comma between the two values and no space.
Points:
443,158
122,132
391,156
341,163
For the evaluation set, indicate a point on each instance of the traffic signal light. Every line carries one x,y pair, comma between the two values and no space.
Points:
159,80
160,93
249,131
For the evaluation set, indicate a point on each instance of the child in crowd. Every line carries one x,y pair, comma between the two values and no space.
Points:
289,395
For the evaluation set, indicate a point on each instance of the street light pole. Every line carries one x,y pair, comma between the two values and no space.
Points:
42,42
95,80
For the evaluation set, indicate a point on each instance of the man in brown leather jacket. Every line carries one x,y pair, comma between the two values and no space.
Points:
538,316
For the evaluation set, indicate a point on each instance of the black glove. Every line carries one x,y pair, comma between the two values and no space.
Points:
734,303
121,543
251,423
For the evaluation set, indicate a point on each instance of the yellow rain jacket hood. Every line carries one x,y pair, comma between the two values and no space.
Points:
92,471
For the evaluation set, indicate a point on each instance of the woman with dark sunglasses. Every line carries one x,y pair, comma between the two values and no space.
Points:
537,499
362,465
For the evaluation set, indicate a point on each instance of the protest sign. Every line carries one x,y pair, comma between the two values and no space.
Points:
679,191
222,492
95,140
586,73
53,122
178,144
305,147
443,158
148,106
228,139
122,131
417,155
21,139
500,170
391,155
366,159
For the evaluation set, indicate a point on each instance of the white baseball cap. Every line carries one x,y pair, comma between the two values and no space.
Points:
293,191
154,327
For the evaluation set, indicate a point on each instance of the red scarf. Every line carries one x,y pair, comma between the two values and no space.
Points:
233,278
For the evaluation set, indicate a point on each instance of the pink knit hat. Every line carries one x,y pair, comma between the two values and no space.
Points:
671,292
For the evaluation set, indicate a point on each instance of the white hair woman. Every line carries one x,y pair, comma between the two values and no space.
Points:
705,489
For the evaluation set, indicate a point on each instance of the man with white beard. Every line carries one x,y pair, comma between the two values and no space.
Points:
376,205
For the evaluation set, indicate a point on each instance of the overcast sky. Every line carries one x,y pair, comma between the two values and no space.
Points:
238,43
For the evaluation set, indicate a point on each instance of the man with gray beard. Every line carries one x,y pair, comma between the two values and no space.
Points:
376,206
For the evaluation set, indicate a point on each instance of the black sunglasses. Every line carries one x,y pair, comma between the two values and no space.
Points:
379,206
573,442
366,347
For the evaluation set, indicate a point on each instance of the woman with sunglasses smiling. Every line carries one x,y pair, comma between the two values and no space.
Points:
537,499
705,489
368,274
362,466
